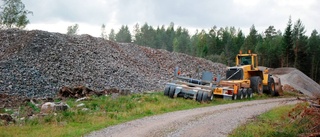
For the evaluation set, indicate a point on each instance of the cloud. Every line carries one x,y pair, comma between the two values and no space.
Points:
202,14
84,11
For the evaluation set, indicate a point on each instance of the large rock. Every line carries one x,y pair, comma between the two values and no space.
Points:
6,119
50,107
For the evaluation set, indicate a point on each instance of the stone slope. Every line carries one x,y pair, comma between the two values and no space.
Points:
38,63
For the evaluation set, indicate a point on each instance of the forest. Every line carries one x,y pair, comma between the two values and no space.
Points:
293,48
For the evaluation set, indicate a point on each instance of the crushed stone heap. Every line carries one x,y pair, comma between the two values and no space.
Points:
38,63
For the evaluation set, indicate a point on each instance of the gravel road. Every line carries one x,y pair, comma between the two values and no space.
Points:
208,121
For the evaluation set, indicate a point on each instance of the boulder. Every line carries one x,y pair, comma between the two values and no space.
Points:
6,118
50,107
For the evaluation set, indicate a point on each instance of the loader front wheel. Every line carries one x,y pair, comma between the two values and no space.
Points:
166,90
199,96
171,92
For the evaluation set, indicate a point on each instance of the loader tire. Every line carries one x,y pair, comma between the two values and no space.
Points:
250,93
166,90
171,92
205,96
240,94
256,84
272,87
199,96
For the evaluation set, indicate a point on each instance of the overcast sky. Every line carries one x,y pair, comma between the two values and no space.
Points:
57,15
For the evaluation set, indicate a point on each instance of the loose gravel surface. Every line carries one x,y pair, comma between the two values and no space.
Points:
212,121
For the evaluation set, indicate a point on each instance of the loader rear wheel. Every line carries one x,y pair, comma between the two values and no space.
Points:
272,87
204,96
250,94
166,91
240,94
199,96
256,84
171,92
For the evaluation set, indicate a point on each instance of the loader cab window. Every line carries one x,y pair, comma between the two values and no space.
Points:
245,60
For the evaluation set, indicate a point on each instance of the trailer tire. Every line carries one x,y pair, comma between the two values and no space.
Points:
245,93
166,90
250,93
256,84
204,96
240,94
199,96
234,97
171,92
211,97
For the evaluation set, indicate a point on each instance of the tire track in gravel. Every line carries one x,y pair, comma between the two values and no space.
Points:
215,121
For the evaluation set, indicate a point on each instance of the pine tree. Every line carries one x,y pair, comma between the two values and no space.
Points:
73,29
103,32
112,35
123,35
287,46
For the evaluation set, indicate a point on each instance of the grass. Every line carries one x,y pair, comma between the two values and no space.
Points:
275,122
102,112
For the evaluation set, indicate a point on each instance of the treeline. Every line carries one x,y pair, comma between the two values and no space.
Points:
293,48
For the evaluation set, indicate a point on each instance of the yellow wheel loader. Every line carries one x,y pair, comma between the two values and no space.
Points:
241,81
246,78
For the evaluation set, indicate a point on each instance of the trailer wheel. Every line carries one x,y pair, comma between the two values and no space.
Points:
250,94
166,91
240,94
272,87
256,84
204,96
245,93
199,96
234,97
211,97
171,92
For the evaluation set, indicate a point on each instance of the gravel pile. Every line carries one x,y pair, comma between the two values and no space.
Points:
38,63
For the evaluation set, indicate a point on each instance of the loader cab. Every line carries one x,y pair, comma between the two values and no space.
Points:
247,59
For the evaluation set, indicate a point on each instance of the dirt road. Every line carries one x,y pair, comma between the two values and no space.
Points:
209,121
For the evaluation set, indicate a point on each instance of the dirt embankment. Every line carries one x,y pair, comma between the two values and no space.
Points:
38,63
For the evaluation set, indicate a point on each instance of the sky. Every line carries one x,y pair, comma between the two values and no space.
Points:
57,15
